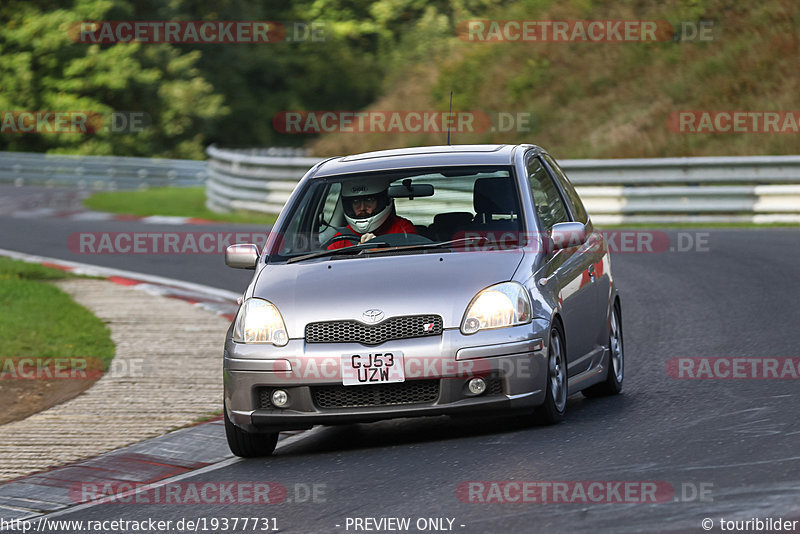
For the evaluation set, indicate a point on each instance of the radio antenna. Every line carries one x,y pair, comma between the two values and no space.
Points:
449,117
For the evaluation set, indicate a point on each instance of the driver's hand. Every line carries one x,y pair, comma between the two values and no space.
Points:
366,237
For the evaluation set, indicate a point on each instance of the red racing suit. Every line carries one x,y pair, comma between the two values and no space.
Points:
393,225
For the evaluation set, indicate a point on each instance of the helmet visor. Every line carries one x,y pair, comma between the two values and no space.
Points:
364,206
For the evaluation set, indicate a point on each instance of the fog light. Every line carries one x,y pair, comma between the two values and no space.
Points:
280,398
476,386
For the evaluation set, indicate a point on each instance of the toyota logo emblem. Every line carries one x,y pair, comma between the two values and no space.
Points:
372,316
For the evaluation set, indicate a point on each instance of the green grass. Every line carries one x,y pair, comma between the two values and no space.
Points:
19,270
38,320
174,201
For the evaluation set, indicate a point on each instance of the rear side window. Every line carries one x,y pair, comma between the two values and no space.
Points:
575,201
549,205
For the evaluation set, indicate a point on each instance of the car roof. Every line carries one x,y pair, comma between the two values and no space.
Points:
426,156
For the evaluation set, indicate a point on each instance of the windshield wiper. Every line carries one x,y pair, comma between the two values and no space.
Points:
380,247
353,249
435,246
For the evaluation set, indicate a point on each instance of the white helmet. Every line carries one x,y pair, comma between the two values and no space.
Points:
361,189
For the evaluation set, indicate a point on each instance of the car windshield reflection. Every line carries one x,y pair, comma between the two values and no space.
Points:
414,211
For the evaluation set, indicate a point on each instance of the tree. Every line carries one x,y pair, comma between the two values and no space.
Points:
43,68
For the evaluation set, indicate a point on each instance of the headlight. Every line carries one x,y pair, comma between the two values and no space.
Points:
498,306
259,321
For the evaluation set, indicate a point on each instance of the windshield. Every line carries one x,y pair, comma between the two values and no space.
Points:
399,212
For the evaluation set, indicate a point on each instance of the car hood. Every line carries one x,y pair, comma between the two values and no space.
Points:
337,289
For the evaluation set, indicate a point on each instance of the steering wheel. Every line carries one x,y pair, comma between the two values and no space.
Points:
341,237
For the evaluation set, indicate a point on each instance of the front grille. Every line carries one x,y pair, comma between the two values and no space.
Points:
494,385
411,392
264,398
406,327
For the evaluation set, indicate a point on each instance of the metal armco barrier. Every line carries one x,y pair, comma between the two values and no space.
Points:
246,180
755,189
99,172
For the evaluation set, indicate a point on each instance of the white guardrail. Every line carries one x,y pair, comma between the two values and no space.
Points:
757,189
99,172
753,189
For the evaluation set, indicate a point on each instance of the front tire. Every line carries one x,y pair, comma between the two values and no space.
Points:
616,360
248,444
555,402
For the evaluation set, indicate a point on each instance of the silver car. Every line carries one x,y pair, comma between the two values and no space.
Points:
444,280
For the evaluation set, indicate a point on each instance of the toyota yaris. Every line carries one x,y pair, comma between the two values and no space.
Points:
426,281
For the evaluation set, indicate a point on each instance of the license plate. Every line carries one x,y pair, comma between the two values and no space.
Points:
372,368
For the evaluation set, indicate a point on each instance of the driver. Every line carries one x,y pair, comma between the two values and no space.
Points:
369,212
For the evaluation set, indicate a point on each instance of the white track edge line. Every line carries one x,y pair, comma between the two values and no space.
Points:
96,270
108,271
291,440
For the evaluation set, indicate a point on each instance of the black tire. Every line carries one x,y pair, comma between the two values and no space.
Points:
555,403
247,444
612,385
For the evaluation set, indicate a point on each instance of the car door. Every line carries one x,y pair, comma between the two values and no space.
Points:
595,249
568,268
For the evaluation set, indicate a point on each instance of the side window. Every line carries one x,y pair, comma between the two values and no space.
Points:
548,201
312,221
331,198
577,205
330,216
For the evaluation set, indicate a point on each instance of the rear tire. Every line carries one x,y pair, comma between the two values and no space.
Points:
616,360
555,402
248,444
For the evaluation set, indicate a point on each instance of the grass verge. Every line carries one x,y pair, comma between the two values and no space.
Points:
40,322
172,201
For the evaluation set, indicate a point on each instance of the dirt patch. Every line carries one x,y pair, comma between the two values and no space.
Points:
22,398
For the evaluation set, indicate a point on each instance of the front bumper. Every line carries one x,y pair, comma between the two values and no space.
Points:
513,360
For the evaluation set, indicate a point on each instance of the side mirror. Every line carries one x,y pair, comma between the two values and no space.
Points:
567,235
241,256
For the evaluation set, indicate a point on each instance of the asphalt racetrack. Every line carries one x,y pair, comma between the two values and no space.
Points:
712,448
